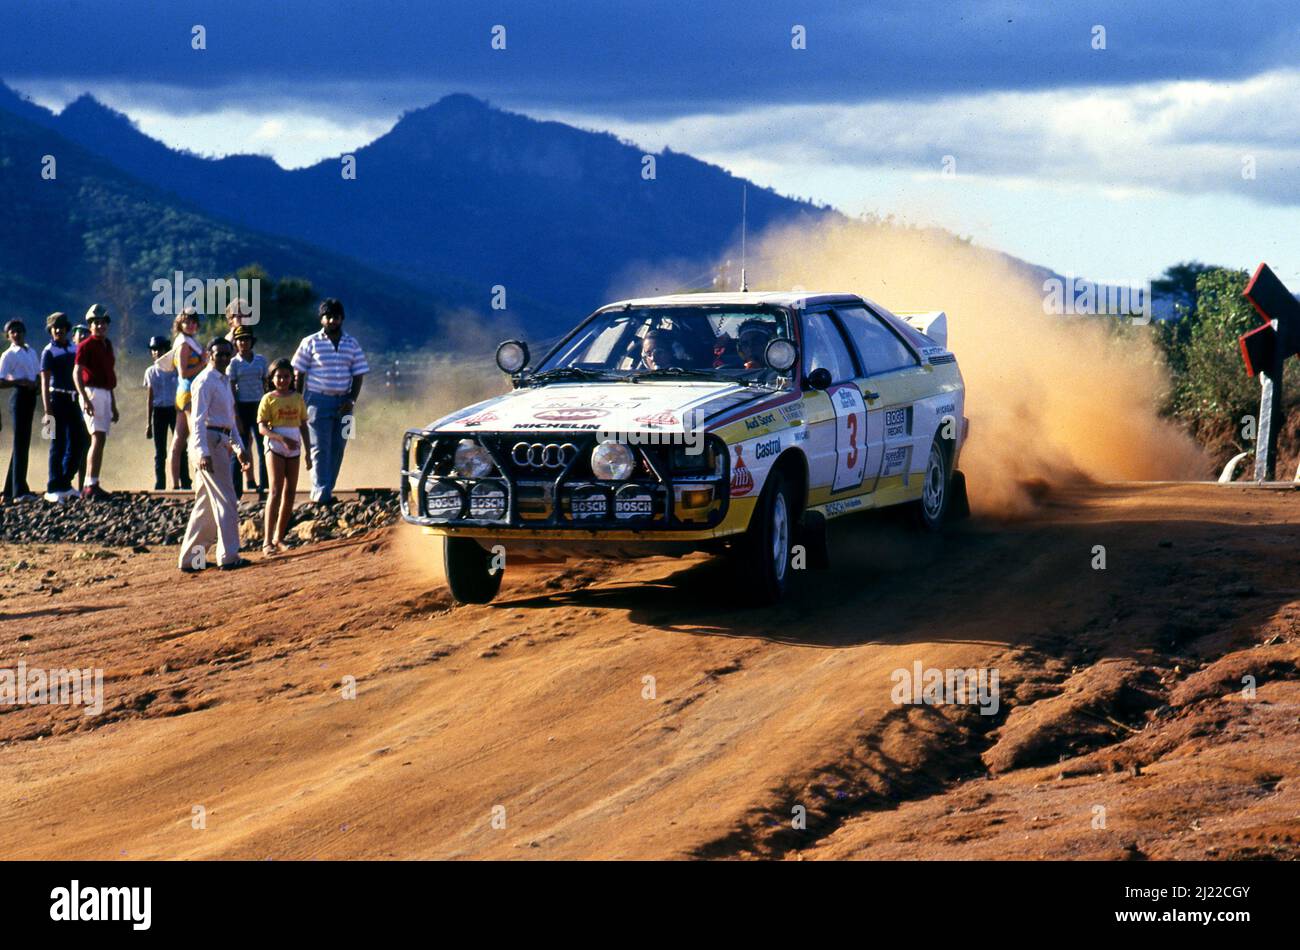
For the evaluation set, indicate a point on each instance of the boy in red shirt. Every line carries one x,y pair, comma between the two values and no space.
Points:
96,380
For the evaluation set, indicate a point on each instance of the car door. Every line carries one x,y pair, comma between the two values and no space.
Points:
844,450
892,380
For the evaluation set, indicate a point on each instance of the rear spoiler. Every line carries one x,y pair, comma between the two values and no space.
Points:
933,323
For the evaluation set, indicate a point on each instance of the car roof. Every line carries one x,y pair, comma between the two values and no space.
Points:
785,298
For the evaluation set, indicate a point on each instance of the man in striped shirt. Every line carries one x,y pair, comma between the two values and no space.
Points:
329,368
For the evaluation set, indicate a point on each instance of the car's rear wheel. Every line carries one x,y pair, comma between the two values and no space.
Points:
470,572
765,552
936,490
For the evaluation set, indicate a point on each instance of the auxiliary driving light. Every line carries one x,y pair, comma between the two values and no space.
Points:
471,460
443,499
588,503
487,500
696,497
612,461
633,503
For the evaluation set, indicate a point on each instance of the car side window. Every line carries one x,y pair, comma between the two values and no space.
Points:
824,347
880,350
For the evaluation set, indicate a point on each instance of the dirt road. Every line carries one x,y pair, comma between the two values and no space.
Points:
644,711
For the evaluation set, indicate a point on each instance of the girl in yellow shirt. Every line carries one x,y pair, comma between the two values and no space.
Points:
282,420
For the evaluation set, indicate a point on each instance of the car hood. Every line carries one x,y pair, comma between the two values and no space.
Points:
650,406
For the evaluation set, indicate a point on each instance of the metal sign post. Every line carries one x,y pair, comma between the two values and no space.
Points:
1265,351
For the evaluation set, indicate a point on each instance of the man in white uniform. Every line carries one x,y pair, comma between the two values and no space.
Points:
19,368
214,438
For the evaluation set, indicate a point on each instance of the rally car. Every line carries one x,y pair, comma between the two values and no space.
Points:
738,423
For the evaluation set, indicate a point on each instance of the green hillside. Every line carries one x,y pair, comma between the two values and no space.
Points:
91,232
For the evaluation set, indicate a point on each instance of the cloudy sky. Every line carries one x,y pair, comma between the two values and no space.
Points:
1094,138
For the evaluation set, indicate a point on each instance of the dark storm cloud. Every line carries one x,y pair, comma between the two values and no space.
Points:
637,59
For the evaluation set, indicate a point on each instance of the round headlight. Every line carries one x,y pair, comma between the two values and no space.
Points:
443,499
612,461
471,460
780,355
512,356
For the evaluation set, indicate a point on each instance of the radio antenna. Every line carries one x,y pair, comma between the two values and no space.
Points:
744,209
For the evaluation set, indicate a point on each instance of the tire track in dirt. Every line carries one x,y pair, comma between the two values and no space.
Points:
625,710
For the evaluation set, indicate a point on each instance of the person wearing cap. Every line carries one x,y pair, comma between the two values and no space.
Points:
96,382
160,409
59,400
248,380
215,441
330,368
19,369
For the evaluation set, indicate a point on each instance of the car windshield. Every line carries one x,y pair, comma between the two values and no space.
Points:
718,342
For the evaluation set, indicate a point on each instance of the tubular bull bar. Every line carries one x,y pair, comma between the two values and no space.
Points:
540,489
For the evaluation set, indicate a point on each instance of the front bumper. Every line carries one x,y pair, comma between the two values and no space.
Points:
557,496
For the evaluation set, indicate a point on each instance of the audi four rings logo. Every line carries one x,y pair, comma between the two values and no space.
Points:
537,455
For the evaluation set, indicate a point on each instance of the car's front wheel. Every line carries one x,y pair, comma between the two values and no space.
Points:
471,574
765,552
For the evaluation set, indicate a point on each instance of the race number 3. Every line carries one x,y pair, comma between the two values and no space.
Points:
850,417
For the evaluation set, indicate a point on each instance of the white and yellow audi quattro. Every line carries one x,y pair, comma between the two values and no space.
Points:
738,423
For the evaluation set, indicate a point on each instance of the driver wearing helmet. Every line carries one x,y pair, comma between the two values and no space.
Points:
751,342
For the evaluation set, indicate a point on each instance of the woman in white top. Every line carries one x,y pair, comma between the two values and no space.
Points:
188,357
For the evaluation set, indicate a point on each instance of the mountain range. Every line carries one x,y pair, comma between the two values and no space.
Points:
456,200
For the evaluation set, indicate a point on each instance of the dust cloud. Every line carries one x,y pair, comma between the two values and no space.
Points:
1050,399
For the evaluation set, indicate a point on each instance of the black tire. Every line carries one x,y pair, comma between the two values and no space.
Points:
815,537
765,552
932,510
469,571
959,507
